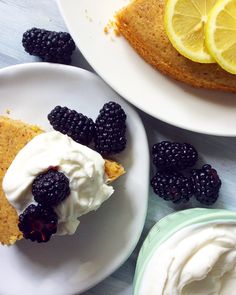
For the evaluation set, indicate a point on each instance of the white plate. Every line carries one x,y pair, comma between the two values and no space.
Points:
118,64
105,238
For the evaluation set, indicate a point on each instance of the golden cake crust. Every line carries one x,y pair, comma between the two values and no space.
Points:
14,135
113,170
141,23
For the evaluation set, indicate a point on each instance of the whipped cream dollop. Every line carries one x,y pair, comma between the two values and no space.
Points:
197,260
83,166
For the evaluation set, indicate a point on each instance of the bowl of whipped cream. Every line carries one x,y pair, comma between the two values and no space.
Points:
190,252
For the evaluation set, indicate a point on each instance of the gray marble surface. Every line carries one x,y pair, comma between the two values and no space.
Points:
16,16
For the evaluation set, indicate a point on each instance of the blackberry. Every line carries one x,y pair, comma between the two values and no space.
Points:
79,127
38,223
50,46
206,184
50,188
110,129
173,155
172,186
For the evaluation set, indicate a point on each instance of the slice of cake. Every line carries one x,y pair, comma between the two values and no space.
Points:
142,24
16,154
14,135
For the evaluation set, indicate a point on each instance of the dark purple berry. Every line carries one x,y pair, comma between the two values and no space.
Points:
50,188
110,129
173,155
172,186
50,46
206,184
79,127
38,223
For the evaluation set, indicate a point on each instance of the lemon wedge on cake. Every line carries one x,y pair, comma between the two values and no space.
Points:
221,34
185,26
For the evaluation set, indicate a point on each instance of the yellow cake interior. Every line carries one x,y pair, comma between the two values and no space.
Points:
14,135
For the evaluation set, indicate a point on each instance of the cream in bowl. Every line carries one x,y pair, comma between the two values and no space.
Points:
191,252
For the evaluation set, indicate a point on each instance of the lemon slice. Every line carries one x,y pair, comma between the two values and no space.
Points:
221,34
185,26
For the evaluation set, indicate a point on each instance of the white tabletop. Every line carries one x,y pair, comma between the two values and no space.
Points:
16,16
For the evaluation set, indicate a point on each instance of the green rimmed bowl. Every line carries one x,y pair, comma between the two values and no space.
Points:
169,225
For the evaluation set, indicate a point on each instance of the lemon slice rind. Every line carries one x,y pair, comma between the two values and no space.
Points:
210,40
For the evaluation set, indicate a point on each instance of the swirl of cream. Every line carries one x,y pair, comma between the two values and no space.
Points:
83,166
196,260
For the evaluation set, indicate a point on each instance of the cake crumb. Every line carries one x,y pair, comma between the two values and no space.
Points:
112,26
89,18
106,30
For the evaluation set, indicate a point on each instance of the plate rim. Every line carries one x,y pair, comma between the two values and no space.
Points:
52,66
128,98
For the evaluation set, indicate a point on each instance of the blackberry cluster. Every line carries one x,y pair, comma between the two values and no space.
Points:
169,158
174,155
110,129
206,184
79,127
50,188
108,132
50,46
38,223
172,186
